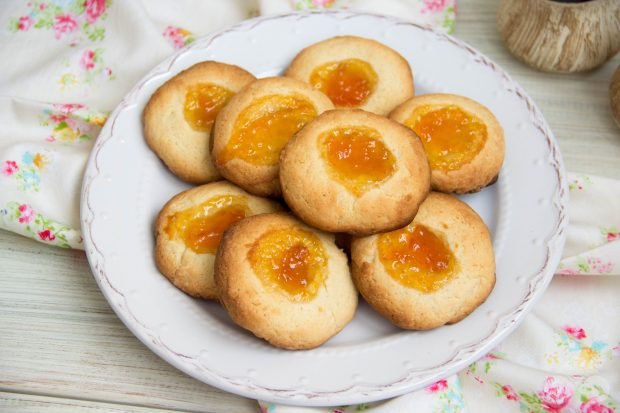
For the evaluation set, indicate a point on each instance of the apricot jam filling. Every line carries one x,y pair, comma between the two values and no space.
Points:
290,260
265,126
201,226
203,102
356,157
451,136
416,257
348,83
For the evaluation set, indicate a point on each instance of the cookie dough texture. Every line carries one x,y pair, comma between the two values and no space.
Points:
270,313
189,271
468,238
184,150
394,76
321,201
484,168
260,180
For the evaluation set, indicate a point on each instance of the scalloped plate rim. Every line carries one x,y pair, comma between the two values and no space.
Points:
296,394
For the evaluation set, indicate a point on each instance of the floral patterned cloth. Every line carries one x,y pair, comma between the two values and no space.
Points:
64,68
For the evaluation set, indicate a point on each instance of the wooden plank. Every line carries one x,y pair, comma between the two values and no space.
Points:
26,403
60,337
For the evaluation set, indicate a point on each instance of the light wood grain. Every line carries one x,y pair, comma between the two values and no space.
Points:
61,345
60,338
27,403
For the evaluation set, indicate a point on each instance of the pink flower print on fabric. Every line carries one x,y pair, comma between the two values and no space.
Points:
554,396
319,4
434,5
88,60
599,267
65,24
76,23
178,36
611,234
323,3
10,167
94,9
68,107
587,265
576,332
567,271
510,393
24,23
71,19
57,118
437,386
26,214
71,122
594,405
46,235
39,227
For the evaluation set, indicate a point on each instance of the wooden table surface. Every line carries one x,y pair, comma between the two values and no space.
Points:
62,348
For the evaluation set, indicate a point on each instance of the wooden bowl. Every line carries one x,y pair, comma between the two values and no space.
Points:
614,96
560,36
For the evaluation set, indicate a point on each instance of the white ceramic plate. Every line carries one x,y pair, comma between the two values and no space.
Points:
126,185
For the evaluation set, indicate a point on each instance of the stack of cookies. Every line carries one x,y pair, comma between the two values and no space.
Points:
336,155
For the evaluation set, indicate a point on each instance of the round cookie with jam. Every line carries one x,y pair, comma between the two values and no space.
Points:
189,229
356,172
355,72
284,281
432,272
253,128
463,140
178,119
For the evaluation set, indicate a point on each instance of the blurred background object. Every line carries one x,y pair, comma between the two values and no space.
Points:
561,36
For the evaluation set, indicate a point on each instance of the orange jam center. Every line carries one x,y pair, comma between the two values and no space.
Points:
451,136
416,257
203,102
265,126
201,226
348,83
290,260
356,157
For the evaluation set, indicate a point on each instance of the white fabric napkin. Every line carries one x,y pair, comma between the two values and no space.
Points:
67,63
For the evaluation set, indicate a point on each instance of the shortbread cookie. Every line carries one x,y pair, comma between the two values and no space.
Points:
355,73
463,140
284,281
189,229
178,118
356,172
254,127
434,271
